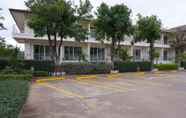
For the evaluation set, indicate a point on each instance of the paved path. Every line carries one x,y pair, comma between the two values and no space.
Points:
124,96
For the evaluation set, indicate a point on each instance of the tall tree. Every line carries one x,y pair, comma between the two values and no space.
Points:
112,24
148,29
178,42
58,19
8,51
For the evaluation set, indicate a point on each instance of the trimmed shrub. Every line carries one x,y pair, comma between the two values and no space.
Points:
183,64
27,65
37,65
15,77
40,73
86,68
132,66
13,96
166,66
3,63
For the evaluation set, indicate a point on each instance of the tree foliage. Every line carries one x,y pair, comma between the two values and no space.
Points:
112,24
148,29
8,51
58,19
178,42
123,55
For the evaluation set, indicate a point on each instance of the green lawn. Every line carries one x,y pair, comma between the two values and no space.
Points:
13,94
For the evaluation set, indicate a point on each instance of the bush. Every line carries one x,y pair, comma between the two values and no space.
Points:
86,68
27,65
166,66
132,66
37,65
183,64
9,70
13,96
15,77
40,73
3,63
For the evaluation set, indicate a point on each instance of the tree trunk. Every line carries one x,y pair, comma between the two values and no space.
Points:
151,54
50,44
112,50
177,57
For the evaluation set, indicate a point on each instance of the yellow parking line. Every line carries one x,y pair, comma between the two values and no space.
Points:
49,79
114,76
99,86
107,85
68,93
86,77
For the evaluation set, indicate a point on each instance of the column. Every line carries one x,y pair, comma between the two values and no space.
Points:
88,53
161,56
62,54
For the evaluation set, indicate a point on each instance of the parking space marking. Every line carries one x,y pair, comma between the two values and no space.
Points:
99,86
66,92
138,82
108,85
168,77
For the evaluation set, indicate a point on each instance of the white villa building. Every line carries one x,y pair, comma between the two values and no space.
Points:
36,48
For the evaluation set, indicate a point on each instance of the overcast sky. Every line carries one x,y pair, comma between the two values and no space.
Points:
171,12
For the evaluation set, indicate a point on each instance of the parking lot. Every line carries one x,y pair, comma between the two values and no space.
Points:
127,95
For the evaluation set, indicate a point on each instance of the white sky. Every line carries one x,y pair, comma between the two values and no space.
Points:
171,12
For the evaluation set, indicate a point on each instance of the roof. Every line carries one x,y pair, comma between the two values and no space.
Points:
181,28
19,16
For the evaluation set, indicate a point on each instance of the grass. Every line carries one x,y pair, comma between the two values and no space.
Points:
13,94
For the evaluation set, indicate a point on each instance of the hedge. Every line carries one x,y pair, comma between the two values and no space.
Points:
132,66
28,64
85,68
166,66
3,63
183,64
15,77
13,96
37,65
40,73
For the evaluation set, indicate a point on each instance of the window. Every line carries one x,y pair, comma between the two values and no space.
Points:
92,32
165,39
72,53
47,53
38,52
137,54
41,52
97,54
165,55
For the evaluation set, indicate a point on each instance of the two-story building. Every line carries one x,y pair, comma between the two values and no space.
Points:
36,48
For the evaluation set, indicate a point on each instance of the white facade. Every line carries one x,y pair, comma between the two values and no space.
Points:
94,51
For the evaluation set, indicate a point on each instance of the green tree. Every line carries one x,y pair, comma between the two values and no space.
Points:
58,19
1,24
148,29
156,56
178,42
112,24
8,51
123,55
